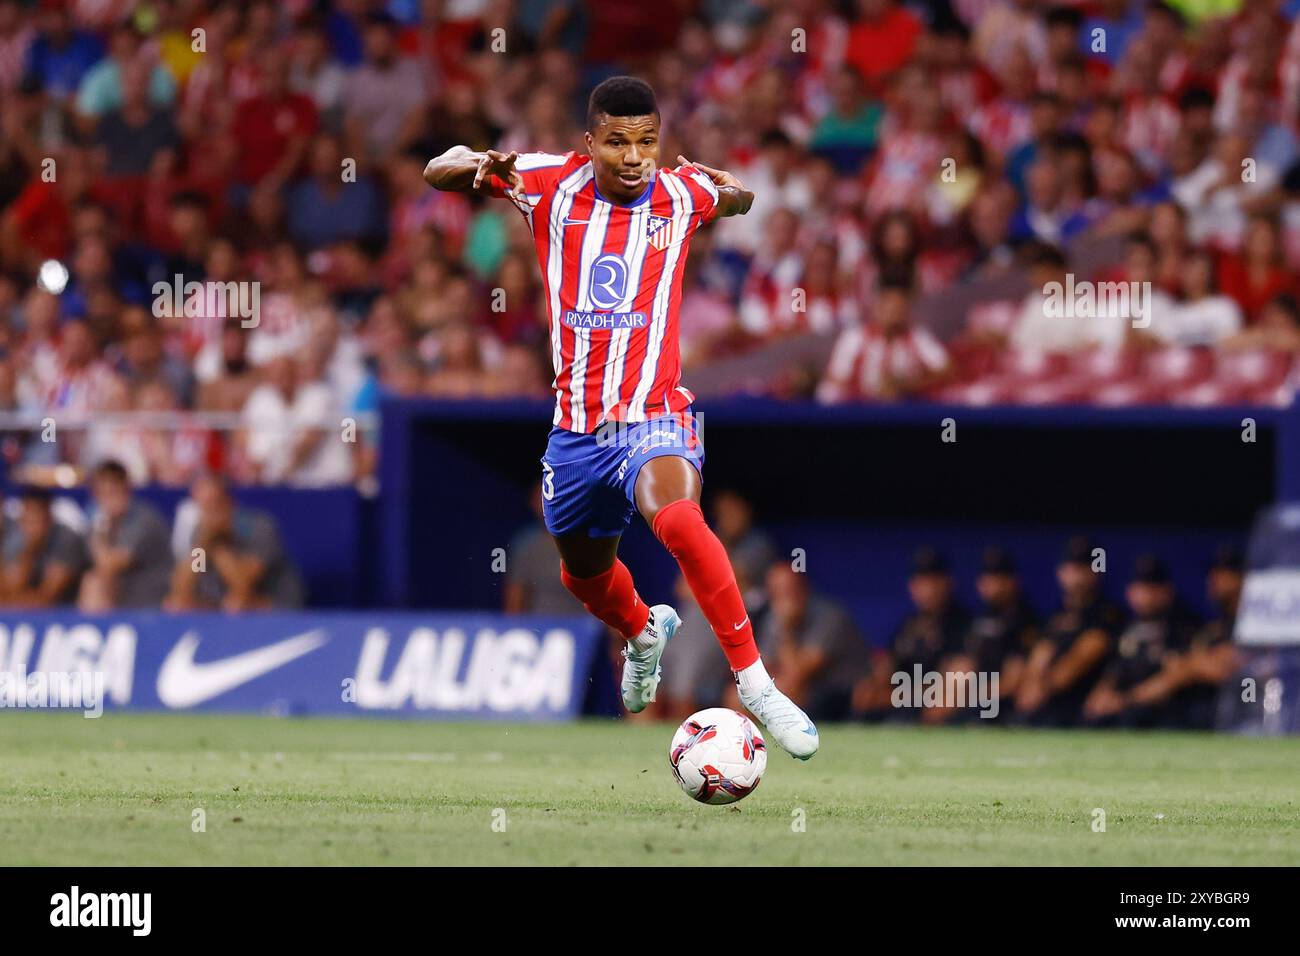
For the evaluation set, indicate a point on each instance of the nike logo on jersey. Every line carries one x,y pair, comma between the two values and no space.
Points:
576,222
184,683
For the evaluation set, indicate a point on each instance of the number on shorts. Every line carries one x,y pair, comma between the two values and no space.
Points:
548,481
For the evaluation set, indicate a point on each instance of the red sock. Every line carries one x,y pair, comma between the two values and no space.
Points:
611,597
704,562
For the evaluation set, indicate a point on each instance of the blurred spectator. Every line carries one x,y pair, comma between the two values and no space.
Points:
60,56
812,646
850,129
1040,329
314,74
8,531
778,181
1006,29
323,208
1004,629
935,630
1277,329
989,216
145,359
382,95
1077,643
750,548
44,560
767,307
882,39
102,87
1132,691
232,558
272,130
130,137
887,358
130,551
1196,677
293,431
1258,274
532,583
1203,317
911,146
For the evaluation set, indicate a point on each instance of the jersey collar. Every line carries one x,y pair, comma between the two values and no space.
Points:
639,201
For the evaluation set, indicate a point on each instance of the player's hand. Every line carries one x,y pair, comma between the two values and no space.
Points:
720,177
501,165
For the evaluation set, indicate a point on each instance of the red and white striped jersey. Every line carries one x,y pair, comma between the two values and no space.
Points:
613,281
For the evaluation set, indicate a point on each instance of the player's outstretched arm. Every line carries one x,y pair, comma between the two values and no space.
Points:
733,198
463,170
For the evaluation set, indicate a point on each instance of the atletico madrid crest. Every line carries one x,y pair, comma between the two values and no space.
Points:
659,232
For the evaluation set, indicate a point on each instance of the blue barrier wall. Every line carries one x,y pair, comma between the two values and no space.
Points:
858,488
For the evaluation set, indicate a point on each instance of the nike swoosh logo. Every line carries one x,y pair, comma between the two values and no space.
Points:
576,222
742,623
184,683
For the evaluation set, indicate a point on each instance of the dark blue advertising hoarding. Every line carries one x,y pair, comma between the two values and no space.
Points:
437,665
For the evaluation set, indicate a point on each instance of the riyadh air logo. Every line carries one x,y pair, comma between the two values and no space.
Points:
608,284
659,232
183,682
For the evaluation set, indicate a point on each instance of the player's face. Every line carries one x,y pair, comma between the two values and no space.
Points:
624,152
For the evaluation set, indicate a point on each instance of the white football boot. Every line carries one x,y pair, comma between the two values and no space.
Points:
641,668
784,721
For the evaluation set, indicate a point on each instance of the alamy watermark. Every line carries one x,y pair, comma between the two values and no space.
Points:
208,300
1084,299
70,690
946,689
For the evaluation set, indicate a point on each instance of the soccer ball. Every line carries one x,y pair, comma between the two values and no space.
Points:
718,756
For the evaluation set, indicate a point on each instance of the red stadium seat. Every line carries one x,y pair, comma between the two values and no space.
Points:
1206,394
1132,392
1106,365
1256,370
1066,391
1032,366
1179,367
984,392
972,360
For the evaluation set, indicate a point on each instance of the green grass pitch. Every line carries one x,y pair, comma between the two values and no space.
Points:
123,790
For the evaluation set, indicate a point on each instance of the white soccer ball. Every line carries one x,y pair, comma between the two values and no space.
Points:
718,756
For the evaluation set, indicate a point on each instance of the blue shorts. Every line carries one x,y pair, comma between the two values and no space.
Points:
589,481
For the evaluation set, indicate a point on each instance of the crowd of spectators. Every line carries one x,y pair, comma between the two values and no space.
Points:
121,553
899,153
1150,662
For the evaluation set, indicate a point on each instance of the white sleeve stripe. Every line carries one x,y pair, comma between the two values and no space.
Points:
707,184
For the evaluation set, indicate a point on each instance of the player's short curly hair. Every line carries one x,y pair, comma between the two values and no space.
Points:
621,96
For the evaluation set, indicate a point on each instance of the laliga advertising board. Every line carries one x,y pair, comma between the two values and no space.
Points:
412,664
